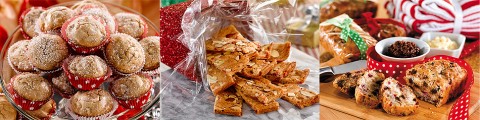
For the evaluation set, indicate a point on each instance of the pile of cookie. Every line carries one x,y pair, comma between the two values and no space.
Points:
435,82
74,52
241,70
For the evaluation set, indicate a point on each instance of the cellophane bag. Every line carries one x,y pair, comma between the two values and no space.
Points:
353,8
262,21
343,50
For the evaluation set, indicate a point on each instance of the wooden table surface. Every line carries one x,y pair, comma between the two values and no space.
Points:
331,114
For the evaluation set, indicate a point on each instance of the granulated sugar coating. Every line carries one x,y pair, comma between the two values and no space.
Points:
29,20
84,4
151,46
130,87
86,31
91,103
125,53
90,66
53,18
47,51
104,15
18,58
130,24
32,87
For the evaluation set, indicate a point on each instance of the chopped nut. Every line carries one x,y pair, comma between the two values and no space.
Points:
275,53
291,94
275,92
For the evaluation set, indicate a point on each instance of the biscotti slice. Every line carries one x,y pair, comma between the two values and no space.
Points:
295,77
231,45
228,103
257,68
218,80
368,87
259,89
397,99
229,62
299,96
436,81
281,70
265,52
347,82
280,51
258,106
229,32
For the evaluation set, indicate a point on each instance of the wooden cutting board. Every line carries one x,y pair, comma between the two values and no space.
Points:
334,99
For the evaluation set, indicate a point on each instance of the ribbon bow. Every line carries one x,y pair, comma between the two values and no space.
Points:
372,24
348,32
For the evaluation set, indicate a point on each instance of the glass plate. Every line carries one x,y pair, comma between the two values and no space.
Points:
6,72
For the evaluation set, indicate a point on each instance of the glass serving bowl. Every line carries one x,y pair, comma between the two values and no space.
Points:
7,72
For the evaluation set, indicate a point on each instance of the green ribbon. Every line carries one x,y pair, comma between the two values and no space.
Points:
347,32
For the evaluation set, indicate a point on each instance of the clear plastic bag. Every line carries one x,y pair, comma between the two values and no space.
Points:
353,8
257,20
341,51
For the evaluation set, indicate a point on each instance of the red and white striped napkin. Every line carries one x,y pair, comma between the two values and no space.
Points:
453,16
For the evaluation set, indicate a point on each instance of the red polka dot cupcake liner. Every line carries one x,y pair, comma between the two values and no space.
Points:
22,102
137,102
49,115
83,83
398,70
80,49
20,22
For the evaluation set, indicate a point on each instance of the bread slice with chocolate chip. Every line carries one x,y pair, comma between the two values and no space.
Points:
436,81
397,99
368,87
347,82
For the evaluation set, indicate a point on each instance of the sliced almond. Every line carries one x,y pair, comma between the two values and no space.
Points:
211,79
275,92
291,94
249,82
235,107
309,94
274,53
266,90
237,58
218,62
250,64
228,70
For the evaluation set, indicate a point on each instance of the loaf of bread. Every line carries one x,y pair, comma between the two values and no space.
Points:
397,99
436,81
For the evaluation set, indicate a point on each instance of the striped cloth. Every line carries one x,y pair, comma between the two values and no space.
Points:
453,16
284,14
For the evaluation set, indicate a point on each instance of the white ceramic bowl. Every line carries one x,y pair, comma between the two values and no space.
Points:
383,45
458,38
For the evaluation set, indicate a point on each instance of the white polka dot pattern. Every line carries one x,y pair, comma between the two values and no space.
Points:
461,106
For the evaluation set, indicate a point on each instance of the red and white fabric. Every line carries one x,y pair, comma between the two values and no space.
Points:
453,16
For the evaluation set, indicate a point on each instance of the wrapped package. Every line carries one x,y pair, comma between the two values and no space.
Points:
353,8
344,40
227,40
381,28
